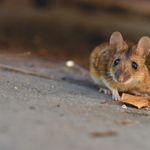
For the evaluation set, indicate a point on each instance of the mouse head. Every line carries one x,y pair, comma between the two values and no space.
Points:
128,62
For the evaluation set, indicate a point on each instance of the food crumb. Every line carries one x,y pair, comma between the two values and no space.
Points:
124,106
100,106
7,81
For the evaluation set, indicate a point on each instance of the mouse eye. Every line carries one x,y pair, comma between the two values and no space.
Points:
116,62
134,65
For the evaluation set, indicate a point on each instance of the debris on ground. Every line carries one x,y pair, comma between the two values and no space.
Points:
137,101
104,133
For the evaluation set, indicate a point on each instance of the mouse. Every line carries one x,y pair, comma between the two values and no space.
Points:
119,66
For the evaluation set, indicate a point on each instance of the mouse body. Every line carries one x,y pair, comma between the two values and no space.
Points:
119,66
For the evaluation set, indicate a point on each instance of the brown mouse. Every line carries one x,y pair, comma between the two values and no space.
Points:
119,66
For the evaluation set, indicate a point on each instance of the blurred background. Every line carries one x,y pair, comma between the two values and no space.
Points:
68,29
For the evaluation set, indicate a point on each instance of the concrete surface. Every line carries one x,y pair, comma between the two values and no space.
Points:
43,114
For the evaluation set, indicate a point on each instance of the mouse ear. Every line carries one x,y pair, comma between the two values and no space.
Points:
143,46
116,42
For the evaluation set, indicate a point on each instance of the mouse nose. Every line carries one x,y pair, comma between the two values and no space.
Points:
121,78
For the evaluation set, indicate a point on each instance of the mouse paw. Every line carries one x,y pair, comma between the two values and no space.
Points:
146,95
139,94
115,95
106,91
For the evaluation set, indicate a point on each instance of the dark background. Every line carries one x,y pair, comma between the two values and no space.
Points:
69,29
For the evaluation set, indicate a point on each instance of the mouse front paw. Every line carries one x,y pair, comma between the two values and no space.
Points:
106,91
146,95
139,94
115,95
